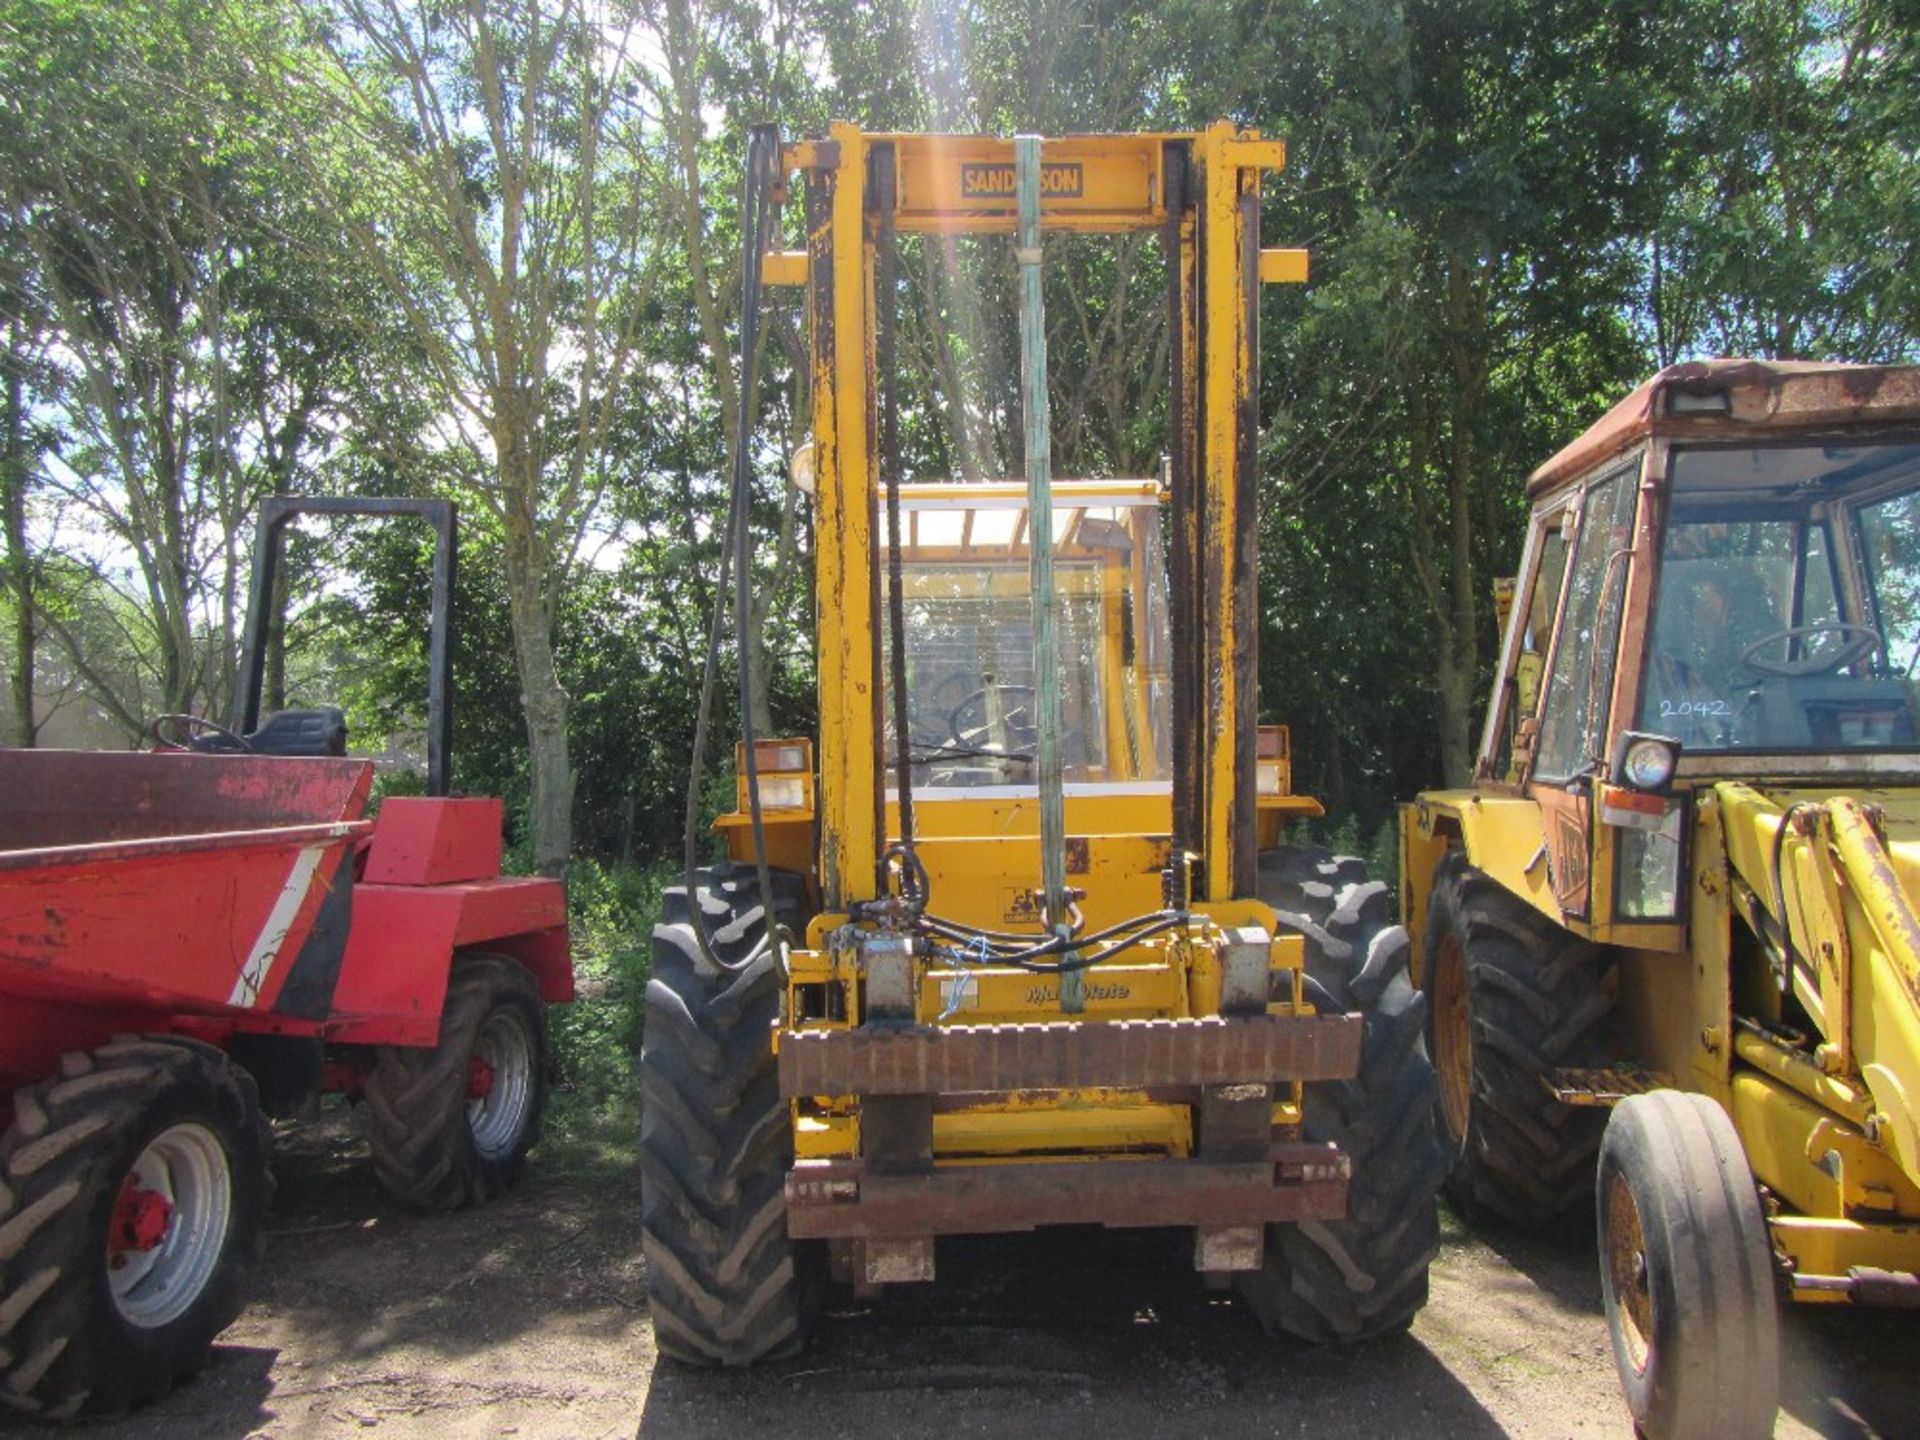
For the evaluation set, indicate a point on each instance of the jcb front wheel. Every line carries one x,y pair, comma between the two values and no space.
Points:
1686,1272
132,1216
1365,1275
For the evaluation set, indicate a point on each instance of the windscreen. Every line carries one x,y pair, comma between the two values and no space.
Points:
969,640
1787,608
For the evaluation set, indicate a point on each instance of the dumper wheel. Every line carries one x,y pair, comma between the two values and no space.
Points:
133,1197
1366,1275
725,1283
1686,1271
1514,997
452,1125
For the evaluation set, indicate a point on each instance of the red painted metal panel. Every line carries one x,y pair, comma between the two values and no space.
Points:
547,954
393,981
509,906
84,797
421,840
172,891
174,925
36,1032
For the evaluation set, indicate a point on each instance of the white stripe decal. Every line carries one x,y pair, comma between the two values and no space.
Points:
266,949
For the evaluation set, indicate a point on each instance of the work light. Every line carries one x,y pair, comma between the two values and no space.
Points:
1646,762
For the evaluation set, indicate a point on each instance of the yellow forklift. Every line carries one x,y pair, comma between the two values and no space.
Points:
1670,929
1014,943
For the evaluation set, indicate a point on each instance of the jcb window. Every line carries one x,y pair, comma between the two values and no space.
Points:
1787,615
1542,573
1580,686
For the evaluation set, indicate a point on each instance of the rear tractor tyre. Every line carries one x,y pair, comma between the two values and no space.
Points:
725,1283
1513,998
1686,1271
1366,1275
451,1126
133,1196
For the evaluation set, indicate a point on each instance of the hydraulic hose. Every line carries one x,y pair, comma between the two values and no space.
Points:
758,224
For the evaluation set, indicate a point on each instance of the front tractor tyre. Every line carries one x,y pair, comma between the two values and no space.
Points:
1686,1272
1513,998
133,1194
1366,1275
451,1126
725,1283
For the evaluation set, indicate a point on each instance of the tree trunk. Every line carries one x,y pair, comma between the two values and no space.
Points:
1459,649
543,702
19,570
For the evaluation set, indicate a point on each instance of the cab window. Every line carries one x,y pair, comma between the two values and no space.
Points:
1580,684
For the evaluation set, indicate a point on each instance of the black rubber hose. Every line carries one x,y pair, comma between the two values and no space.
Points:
1085,960
761,175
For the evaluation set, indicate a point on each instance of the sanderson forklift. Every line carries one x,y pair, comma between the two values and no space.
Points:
1015,944
1672,923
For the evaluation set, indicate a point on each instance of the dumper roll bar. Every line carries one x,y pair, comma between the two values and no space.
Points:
275,512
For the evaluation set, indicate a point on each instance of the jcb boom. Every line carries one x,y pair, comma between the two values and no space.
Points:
1683,883
1044,961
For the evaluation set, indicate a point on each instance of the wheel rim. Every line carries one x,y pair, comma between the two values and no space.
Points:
500,1084
1628,1285
170,1225
1452,1040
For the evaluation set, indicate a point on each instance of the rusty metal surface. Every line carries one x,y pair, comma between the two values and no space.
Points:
1762,394
934,1060
54,799
829,1199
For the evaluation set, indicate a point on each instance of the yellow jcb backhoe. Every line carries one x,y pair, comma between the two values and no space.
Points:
1671,926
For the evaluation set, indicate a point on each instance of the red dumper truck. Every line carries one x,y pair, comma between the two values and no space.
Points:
198,937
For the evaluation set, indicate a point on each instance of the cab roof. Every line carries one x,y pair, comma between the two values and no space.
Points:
1725,399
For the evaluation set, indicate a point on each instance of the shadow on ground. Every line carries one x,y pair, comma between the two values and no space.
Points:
1062,1333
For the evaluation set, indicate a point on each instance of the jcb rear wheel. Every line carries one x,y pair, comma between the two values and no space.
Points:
133,1196
1514,997
1686,1271
1366,1275
725,1283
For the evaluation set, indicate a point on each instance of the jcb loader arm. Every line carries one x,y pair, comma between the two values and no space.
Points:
1828,883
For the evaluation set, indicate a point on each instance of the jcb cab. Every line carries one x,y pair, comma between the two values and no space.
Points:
1681,888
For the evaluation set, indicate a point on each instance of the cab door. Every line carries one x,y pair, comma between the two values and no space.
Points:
1571,747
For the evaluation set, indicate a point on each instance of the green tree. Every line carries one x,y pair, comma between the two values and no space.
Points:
144,179
1792,225
480,157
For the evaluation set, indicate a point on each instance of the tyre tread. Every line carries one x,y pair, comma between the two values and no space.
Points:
726,1285
1365,1275
1539,998
61,1350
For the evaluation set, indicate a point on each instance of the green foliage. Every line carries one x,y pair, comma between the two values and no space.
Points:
240,252
611,909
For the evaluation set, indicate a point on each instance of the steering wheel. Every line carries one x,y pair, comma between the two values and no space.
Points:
1856,641
199,734
961,722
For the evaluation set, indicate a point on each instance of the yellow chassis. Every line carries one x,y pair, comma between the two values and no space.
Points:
1833,1143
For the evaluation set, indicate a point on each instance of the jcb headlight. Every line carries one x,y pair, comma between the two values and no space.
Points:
1646,762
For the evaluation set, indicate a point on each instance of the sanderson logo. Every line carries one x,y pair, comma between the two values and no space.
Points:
996,182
